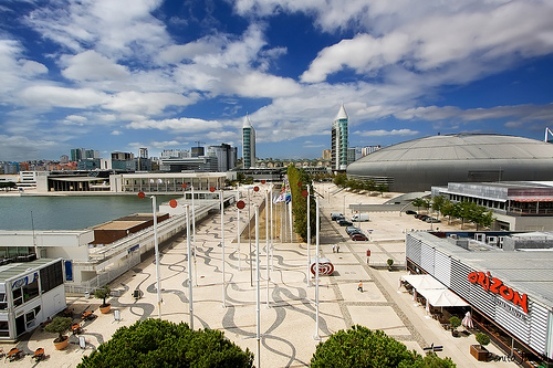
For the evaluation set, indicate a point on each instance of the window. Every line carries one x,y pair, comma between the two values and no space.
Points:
51,276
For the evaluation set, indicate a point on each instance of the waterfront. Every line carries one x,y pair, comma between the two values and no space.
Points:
68,213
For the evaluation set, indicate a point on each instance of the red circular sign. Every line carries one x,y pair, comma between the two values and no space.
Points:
256,189
240,205
325,268
211,189
141,195
304,193
173,203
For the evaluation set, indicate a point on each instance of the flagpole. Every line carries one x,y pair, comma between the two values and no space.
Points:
316,336
308,234
268,275
223,244
190,288
257,294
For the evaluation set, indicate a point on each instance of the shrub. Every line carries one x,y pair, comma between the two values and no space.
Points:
159,343
59,325
102,293
482,339
454,322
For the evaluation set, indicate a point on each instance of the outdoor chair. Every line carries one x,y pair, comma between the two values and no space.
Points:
14,354
38,354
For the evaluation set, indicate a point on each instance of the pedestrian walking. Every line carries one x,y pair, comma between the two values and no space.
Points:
334,248
360,286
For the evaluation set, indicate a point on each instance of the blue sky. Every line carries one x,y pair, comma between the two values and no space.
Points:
119,75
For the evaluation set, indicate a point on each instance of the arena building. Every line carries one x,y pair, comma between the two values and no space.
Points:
419,164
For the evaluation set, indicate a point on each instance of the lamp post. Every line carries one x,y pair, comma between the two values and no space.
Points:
255,189
173,203
190,288
316,336
257,291
267,244
142,195
307,194
221,204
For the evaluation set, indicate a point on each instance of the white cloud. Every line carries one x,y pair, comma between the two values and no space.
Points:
146,103
51,96
386,133
182,125
92,66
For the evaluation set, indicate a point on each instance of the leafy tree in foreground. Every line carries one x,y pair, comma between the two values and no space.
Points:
360,347
158,343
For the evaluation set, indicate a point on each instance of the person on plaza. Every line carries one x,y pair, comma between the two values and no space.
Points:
334,248
360,286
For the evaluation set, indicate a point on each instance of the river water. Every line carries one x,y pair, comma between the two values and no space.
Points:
69,213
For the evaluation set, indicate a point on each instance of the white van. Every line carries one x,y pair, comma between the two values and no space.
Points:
360,217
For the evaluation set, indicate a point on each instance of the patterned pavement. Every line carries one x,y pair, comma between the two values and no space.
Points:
291,322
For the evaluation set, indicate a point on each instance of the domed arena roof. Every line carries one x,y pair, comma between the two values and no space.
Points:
436,161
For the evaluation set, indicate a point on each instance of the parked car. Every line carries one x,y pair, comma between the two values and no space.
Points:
344,222
410,212
336,215
340,218
359,237
352,229
432,220
423,217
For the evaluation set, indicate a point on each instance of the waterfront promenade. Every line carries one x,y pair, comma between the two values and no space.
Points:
288,310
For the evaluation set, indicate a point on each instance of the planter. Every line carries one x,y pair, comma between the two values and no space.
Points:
60,345
479,352
105,308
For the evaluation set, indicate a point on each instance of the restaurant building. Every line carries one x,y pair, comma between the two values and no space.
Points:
505,278
30,293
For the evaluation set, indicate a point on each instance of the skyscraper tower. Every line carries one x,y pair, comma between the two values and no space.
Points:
248,144
340,141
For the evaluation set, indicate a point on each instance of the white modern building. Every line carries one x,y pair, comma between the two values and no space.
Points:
248,144
340,141
30,293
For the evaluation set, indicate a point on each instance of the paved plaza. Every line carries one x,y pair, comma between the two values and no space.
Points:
291,324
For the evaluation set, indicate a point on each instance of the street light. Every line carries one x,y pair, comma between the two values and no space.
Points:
307,194
173,203
221,204
255,189
257,291
142,195
317,228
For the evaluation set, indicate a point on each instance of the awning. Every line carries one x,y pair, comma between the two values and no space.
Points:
423,282
445,298
436,293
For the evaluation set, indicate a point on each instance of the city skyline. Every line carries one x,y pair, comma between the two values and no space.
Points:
119,76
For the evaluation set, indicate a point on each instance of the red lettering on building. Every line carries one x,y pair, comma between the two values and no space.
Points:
496,286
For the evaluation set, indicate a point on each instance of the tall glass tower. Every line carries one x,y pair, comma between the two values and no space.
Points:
340,141
248,144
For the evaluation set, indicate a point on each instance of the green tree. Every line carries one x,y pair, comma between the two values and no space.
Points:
299,179
340,180
364,348
447,209
437,204
482,339
382,188
159,343
59,325
418,202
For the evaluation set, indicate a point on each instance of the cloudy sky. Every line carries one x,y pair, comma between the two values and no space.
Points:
119,75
